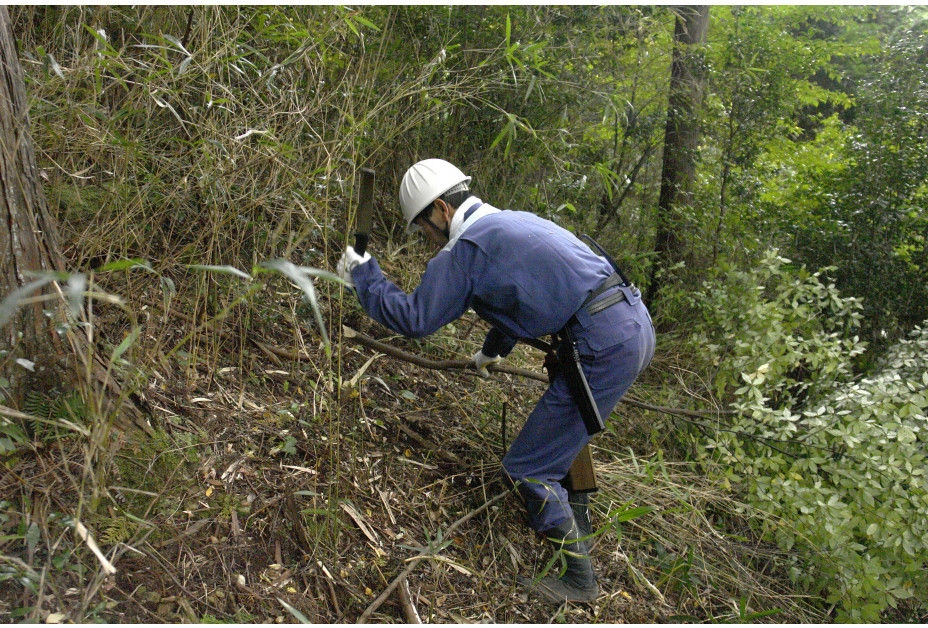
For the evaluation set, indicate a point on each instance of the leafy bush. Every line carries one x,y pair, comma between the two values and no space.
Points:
784,325
840,462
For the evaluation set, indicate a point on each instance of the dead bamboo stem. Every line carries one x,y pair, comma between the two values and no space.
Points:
428,552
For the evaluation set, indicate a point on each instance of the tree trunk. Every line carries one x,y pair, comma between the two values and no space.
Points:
28,236
681,140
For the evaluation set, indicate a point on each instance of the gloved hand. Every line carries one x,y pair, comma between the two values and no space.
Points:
349,261
481,361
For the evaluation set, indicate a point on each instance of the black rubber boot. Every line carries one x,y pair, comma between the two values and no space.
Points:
578,582
580,505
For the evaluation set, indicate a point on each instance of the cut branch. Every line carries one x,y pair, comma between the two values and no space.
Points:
357,337
441,365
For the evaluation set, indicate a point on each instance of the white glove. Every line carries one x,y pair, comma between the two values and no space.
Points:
481,361
349,261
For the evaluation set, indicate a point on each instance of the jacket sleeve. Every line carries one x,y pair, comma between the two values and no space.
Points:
498,343
442,296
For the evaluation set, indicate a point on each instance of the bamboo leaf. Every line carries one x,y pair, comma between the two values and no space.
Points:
229,270
366,22
53,64
301,276
174,40
622,515
11,302
127,342
300,617
125,264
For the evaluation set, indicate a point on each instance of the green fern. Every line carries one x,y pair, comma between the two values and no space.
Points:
37,405
50,412
118,530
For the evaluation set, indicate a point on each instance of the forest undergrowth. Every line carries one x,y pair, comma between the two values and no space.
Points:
260,464
265,489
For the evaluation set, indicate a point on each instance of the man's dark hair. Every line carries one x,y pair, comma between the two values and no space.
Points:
455,196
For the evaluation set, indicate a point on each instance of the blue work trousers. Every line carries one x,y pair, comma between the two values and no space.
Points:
615,345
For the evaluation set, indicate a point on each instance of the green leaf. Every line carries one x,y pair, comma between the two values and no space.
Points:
620,515
906,435
177,43
33,536
125,264
127,342
301,276
53,64
360,19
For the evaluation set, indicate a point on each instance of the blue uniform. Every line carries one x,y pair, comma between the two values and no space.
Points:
527,277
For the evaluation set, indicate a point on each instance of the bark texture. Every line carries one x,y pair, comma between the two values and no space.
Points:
28,237
681,141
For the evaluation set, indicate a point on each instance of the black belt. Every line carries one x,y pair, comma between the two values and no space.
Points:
611,282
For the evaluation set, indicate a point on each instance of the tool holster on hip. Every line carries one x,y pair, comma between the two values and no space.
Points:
582,477
568,364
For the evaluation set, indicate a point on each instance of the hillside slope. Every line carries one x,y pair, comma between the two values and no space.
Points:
265,482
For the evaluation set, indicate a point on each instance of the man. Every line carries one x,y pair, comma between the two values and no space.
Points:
528,278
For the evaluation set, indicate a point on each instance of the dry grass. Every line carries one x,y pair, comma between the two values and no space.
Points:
217,516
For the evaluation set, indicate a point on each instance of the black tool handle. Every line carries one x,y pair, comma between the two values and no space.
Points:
360,243
365,211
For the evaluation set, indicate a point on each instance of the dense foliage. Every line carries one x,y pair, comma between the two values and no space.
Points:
839,461
200,141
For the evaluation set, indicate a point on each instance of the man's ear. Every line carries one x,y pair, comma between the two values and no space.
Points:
446,210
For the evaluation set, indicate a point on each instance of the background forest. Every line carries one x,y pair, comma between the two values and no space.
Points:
761,172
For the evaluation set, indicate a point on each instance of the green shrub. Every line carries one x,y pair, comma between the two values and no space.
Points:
839,462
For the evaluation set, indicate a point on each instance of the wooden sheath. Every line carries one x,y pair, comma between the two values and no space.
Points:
582,476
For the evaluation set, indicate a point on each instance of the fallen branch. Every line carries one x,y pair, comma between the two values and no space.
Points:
409,609
439,365
359,338
415,560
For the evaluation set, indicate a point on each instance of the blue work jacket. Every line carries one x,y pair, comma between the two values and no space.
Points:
523,274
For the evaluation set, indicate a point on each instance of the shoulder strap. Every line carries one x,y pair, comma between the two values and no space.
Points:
615,267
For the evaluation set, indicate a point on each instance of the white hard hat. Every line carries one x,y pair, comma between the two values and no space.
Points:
424,182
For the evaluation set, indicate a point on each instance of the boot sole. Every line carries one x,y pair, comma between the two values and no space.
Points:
557,591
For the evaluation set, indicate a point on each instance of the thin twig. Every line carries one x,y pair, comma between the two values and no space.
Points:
415,560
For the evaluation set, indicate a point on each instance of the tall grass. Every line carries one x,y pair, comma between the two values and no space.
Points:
178,141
